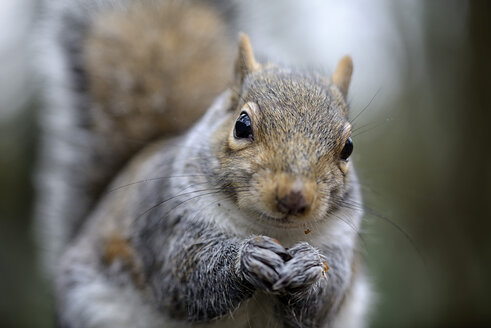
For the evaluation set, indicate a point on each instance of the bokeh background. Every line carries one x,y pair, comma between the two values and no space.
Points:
422,83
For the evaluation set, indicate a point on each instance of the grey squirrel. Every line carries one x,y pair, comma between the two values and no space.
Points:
246,219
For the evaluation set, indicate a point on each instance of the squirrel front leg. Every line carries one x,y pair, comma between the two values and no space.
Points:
200,273
309,292
192,271
309,298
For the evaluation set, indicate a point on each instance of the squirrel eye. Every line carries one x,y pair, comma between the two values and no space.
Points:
347,150
243,127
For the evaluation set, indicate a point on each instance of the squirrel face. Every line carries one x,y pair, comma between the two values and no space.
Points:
283,154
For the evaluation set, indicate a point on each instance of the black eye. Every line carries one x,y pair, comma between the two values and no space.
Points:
243,127
347,150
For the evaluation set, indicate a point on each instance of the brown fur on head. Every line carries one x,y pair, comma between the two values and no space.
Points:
289,170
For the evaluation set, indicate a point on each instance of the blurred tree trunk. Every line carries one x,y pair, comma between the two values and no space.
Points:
461,88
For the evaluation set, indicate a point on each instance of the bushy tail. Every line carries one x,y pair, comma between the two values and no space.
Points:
117,74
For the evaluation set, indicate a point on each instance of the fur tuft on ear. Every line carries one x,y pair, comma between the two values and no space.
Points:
342,76
245,62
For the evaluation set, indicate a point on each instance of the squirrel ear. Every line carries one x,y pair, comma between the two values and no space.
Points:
245,62
342,76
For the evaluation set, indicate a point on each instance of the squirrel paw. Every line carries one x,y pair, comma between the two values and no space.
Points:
261,261
305,268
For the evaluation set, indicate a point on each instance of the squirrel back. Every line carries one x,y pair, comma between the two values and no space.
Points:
117,75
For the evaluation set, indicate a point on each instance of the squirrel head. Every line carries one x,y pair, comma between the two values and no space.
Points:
284,152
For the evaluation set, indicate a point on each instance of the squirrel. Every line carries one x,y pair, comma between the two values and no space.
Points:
155,211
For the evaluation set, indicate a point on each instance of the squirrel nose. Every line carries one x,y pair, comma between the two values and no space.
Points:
292,203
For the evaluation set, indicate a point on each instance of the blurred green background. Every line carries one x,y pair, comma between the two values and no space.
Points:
421,151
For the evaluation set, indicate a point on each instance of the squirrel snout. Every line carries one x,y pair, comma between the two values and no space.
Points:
294,198
292,203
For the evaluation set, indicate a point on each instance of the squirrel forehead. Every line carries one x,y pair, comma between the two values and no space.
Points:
296,101
291,91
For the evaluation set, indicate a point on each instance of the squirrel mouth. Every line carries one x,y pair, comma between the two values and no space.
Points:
279,220
283,221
